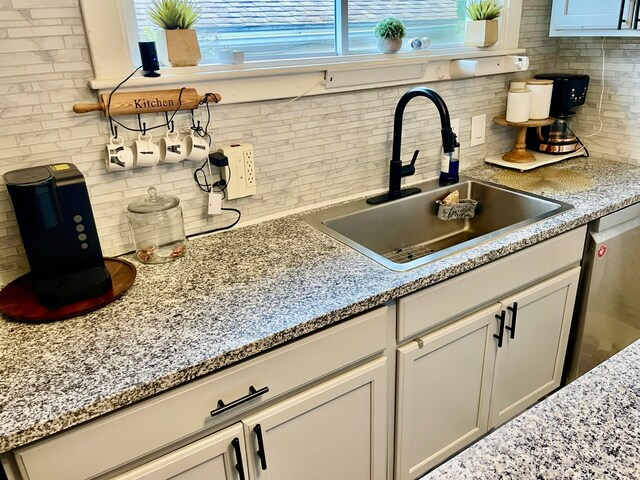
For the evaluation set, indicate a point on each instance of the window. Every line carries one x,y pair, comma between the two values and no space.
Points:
295,47
290,29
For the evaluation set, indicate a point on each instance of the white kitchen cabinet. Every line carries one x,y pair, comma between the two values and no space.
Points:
593,18
468,376
529,363
191,411
336,430
219,456
443,392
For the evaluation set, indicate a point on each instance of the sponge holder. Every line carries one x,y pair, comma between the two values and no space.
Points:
465,209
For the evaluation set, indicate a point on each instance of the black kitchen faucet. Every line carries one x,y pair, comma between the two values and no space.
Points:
396,169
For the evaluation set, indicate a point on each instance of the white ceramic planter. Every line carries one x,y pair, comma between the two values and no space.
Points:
481,33
389,45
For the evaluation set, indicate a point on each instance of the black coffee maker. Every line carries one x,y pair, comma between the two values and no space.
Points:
568,91
59,234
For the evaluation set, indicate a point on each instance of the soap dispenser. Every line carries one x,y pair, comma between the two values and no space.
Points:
450,164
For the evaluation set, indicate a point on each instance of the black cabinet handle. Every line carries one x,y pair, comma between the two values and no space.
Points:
514,315
620,20
236,446
500,336
253,393
261,453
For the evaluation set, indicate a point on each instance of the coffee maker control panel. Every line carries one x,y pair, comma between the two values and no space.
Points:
579,96
569,90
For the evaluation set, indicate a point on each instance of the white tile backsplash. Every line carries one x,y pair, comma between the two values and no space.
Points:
313,150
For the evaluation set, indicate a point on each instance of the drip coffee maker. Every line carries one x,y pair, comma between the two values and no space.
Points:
568,91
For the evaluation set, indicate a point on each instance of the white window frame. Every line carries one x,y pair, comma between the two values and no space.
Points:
110,24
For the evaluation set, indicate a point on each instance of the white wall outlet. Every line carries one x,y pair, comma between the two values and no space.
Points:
241,173
478,127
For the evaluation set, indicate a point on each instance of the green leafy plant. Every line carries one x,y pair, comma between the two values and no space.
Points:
174,14
390,27
483,9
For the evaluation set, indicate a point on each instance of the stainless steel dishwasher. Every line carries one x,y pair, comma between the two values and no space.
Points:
609,317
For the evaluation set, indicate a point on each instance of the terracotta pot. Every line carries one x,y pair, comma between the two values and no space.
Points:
389,45
183,49
481,33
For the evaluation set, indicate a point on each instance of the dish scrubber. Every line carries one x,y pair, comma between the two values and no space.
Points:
453,208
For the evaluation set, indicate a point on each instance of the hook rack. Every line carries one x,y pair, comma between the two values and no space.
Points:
156,101
168,122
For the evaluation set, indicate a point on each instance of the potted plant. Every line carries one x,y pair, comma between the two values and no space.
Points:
482,25
176,17
390,31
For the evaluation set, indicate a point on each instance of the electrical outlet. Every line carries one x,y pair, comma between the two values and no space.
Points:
241,173
249,168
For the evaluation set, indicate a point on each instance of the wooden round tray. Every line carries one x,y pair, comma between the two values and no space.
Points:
18,299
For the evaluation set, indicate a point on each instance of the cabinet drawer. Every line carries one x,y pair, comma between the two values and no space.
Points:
121,437
434,305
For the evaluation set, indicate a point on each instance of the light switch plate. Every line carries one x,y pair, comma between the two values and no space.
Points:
455,126
478,127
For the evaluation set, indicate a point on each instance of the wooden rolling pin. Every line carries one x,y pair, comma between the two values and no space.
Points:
133,103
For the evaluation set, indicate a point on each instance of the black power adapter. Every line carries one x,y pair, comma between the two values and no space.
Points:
218,159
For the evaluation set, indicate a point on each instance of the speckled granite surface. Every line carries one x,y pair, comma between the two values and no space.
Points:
588,430
233,295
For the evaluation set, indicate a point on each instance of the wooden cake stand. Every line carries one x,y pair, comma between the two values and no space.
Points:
519,154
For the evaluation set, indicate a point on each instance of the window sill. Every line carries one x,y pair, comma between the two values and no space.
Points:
261,81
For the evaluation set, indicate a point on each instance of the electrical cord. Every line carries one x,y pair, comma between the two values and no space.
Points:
200,176
602,82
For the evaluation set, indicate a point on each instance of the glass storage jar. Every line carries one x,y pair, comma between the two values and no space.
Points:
157,227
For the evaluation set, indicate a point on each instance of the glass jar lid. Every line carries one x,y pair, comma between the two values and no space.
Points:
153,202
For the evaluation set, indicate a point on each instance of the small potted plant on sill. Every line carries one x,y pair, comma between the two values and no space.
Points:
390,31
482,24
176,17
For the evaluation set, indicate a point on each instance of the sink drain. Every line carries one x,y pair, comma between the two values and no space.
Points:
408,254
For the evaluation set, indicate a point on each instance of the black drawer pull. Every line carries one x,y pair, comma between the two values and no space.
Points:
261,453
253,393
236,446
514,314
500,336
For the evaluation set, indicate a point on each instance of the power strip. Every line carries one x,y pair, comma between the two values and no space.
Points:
241,173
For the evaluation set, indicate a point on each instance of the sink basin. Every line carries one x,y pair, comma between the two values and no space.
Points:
407,233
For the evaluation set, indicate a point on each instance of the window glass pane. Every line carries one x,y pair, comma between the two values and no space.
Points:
263,29
440,20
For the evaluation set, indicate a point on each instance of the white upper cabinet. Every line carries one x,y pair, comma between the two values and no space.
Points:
594,18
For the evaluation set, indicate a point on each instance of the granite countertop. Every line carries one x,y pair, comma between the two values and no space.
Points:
589,429
233,295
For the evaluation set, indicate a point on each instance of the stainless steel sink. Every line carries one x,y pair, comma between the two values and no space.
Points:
406,233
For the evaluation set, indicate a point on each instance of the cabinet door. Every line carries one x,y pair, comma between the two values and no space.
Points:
588,14
219,456
529,363
443,392
336,430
